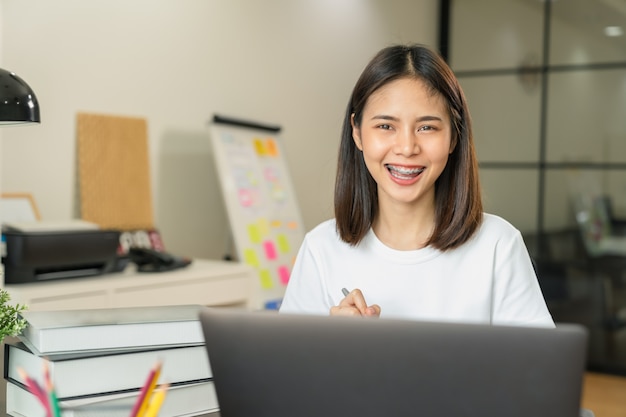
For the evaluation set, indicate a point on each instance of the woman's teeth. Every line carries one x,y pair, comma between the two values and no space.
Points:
403,172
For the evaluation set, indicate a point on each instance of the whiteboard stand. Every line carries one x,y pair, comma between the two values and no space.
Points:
259,197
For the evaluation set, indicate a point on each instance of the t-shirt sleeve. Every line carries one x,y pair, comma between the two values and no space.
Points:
518,298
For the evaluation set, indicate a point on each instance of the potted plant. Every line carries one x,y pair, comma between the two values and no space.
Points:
11,324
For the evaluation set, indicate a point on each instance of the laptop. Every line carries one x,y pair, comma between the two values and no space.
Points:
281,365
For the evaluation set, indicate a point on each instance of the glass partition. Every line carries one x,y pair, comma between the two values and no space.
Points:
513,194
505,117
502,34
586,116
546,85
587,32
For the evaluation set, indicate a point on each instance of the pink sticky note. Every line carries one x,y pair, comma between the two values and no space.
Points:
283,274
270,250
246,198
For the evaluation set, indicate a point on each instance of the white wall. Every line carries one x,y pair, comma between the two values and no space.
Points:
178,62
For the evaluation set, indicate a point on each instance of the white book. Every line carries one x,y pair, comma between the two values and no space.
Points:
85,374
183,400
61,331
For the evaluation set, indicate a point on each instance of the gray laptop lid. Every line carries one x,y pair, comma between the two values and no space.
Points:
278,365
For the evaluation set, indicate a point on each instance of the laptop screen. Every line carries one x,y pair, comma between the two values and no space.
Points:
280,365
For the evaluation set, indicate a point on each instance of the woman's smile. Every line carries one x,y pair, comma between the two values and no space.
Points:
404,175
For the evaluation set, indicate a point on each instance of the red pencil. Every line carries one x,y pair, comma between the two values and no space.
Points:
37,390
146,390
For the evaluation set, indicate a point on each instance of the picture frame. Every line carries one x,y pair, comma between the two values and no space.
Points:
18,207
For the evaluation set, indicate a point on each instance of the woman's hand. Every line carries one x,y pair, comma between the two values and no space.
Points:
354,305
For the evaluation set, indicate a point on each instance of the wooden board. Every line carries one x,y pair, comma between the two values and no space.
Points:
114,171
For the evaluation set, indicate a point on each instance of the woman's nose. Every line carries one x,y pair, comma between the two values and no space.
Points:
406,144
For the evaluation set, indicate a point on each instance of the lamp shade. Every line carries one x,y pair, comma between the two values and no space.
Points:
18,103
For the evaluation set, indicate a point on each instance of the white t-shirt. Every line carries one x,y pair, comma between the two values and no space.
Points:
489,279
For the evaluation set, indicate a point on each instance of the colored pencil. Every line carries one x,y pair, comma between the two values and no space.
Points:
52,395
156,402
146,391
36,390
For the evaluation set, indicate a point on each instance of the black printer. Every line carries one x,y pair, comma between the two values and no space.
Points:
43,253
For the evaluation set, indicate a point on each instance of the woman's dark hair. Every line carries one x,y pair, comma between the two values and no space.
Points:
458,203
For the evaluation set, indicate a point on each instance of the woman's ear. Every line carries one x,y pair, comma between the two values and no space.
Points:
356,133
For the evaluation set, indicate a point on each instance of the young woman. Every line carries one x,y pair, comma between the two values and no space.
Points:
409,239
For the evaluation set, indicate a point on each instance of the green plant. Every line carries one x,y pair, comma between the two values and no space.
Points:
11,324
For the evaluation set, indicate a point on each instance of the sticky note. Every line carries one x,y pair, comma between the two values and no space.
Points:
278,192
246,198
254,234
251,258
283,243
270,250
252,179
266,279
270,147
283,275
263,226
259,147
270,174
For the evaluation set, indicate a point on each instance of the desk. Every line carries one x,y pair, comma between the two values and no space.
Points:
604,394
205,282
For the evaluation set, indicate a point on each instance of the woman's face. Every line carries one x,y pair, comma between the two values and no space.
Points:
405,137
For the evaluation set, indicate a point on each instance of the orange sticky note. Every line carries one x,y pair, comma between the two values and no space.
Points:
270,147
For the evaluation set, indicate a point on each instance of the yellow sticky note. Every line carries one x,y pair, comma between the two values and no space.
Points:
251,258
263,226
266,279
283,243
254,234
259,147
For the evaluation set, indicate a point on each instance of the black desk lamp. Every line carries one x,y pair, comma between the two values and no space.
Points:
18,103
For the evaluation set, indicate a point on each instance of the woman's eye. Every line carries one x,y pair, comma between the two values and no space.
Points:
426,128
384,127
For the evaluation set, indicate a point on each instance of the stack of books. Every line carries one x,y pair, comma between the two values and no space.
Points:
98,361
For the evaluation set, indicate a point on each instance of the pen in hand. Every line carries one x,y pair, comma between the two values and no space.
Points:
345,292
373,310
